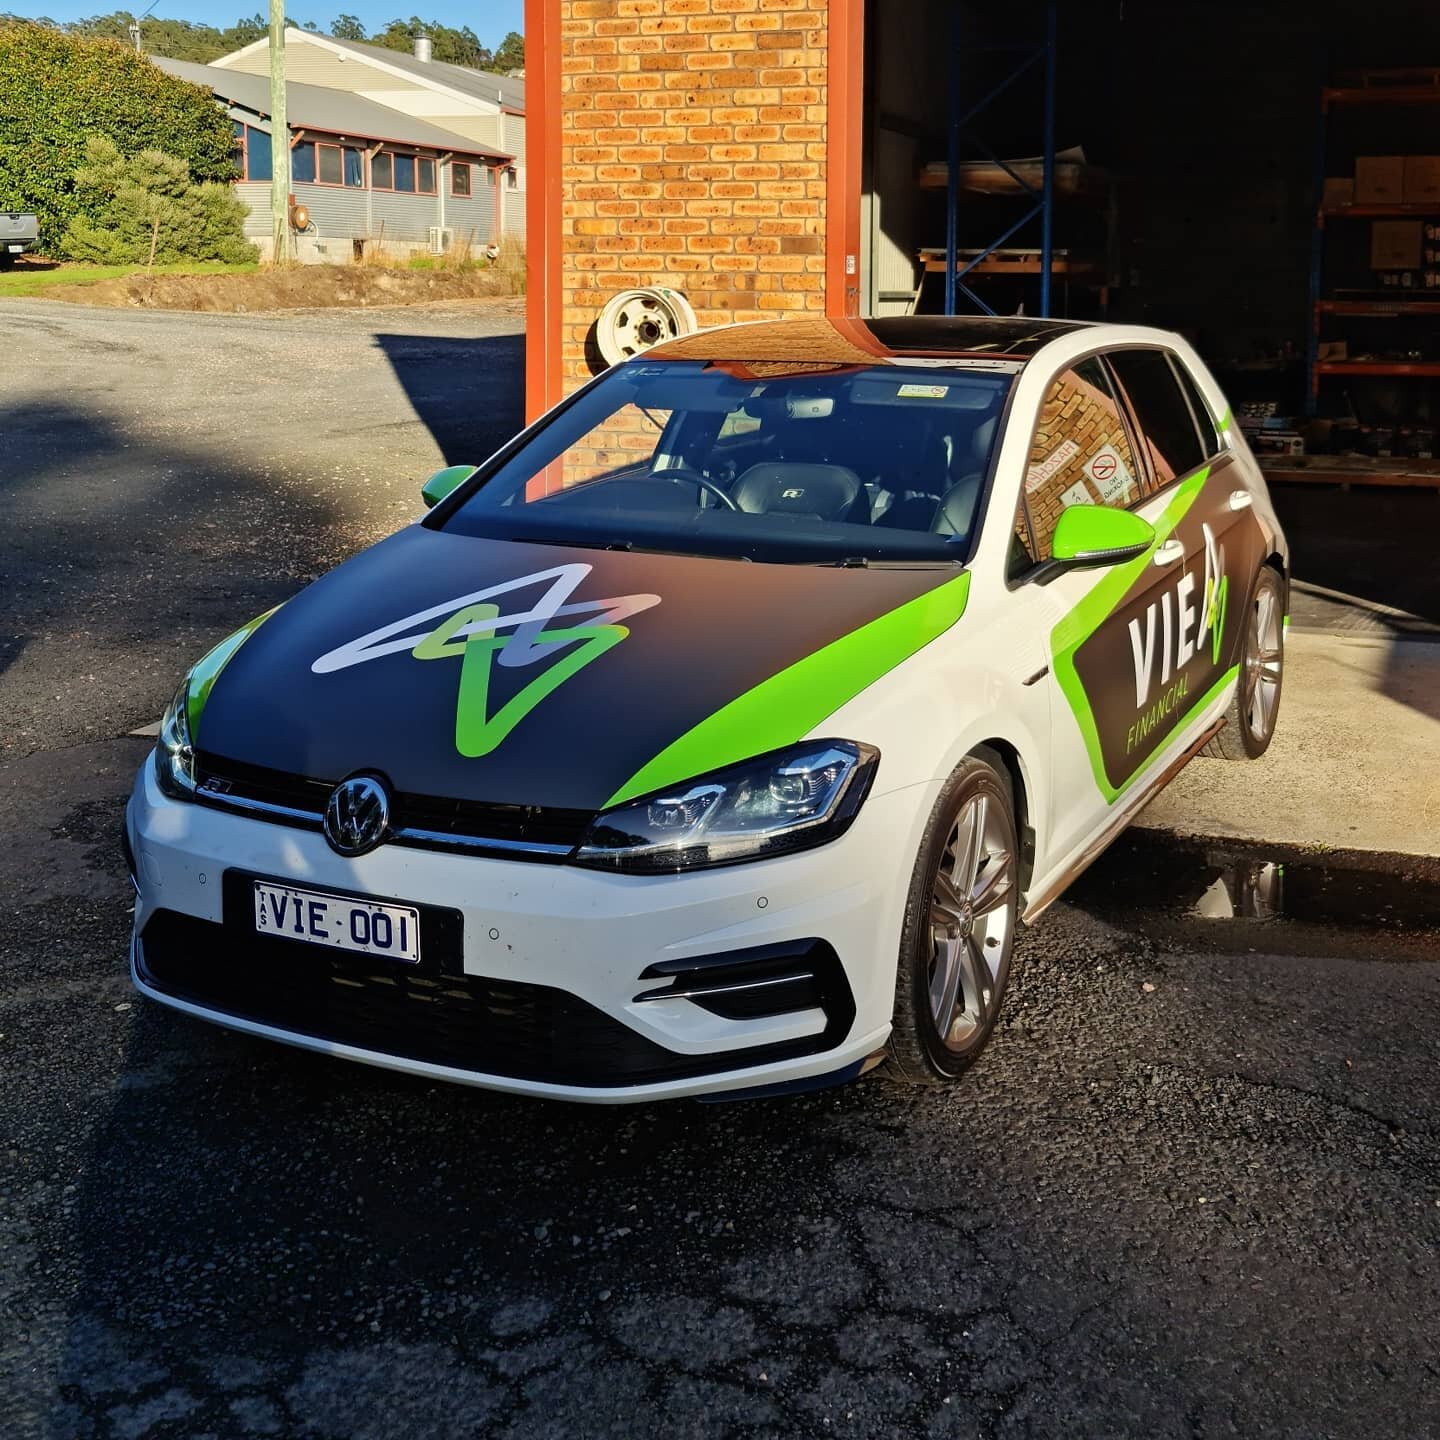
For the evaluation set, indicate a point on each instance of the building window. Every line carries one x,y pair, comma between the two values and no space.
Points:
302,163
512,178
257,154
237,150
406,174
329,167
460,180
354,168
490,174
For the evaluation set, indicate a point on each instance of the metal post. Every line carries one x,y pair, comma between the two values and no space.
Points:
952,180
279,137
1047,199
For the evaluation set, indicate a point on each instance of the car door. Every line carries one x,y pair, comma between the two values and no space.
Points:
1113,662
1214,523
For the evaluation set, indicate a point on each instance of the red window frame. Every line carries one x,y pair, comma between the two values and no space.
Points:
456,166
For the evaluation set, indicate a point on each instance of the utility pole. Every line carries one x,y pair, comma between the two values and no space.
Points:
279,136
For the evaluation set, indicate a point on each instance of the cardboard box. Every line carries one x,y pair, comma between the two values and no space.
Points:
1338,190
1422,179
1379,179
1396,244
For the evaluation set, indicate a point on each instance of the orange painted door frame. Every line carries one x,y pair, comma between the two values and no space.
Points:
544,237
844,137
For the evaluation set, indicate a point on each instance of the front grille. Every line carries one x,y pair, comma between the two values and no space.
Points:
426,821
431,1012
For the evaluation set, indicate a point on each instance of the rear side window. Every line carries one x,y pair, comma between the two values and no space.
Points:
1167,429
1080,454
1209,438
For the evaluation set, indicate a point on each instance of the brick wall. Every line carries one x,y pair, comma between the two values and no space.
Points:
693,155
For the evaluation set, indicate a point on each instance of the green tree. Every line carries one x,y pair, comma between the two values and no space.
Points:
510,55
145,207
58,89
347,27
458,47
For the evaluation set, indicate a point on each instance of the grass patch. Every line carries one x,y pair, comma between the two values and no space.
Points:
32,279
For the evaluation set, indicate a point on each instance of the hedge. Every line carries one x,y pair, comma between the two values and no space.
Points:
57,89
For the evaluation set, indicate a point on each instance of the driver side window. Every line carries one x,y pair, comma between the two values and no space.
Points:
1080,454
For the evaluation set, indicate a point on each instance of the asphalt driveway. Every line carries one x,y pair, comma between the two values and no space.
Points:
1193,1189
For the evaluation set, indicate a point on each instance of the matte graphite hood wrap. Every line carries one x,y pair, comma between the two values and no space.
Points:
529,674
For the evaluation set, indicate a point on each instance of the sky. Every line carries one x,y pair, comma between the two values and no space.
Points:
489,19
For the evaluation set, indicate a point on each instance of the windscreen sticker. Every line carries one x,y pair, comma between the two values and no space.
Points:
922,392
1109,472
1077,494
1055,461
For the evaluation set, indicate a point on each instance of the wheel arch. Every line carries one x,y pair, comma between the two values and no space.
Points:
1014,766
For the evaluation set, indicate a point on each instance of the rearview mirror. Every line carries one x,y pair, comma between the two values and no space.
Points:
1098,535
442,482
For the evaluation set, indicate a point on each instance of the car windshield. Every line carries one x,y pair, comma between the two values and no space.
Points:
816,463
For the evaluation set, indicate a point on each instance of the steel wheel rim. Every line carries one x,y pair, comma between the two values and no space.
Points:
1264,661
971,918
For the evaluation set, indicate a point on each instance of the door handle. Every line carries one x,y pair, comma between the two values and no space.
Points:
1241,499
1169,553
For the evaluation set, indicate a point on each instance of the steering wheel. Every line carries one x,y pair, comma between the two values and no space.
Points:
684,477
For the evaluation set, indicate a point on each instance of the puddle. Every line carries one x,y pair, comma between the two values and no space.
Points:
1281,898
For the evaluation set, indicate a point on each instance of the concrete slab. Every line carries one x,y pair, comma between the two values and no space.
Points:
1355,763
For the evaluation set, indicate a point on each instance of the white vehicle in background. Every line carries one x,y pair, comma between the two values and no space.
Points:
716,735
19,232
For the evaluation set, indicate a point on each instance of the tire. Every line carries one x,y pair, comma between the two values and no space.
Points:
955,945
1250,720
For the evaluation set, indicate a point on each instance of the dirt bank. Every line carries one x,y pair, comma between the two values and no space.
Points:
299,287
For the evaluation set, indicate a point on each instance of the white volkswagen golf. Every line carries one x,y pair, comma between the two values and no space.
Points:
716,735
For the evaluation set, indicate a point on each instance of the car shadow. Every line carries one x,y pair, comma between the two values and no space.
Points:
439,377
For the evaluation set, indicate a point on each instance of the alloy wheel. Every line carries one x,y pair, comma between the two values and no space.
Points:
972,912
1263,664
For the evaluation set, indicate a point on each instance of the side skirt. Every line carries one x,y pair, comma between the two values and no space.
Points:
1041,900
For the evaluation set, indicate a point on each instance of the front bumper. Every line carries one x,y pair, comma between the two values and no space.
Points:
557,981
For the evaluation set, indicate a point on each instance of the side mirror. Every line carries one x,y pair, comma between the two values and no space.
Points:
442,482
1098,535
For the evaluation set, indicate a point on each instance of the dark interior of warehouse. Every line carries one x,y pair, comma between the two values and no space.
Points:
1264,178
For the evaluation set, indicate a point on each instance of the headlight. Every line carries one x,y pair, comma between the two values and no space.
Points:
174,754
779,803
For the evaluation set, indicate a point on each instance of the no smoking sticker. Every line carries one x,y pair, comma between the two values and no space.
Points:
1109,472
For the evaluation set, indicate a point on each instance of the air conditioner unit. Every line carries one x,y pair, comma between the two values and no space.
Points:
441,237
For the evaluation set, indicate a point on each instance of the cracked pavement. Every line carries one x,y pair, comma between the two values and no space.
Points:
1208,1207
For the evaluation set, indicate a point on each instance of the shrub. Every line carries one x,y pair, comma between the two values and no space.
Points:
57,89
146,206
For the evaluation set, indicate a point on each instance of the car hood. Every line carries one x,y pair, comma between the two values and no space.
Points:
547,675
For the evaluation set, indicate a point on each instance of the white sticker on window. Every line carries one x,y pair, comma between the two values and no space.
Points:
1056,460
1107,470
1077,494
923,392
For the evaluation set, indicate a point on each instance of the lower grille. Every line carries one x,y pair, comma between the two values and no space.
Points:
430,1012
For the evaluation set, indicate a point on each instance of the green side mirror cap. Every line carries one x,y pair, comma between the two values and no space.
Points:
1099,535
442,482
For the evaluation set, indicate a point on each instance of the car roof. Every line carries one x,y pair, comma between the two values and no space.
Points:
850,342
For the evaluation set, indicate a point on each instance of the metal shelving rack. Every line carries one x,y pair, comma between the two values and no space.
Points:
1381,306
1027,57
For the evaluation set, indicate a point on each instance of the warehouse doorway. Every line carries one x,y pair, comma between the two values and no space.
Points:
1264,179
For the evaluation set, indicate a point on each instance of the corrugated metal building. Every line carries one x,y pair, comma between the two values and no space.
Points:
367,173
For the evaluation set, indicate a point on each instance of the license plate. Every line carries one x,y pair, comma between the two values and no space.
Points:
15,249
340,921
